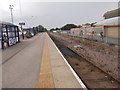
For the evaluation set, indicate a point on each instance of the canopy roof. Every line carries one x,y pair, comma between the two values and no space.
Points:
112,13
5,23
109,22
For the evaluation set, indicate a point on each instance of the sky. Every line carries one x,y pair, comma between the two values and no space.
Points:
54,14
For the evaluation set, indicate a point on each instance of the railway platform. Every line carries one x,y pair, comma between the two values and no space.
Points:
37,63
55,71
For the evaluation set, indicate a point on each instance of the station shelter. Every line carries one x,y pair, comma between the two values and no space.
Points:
9,34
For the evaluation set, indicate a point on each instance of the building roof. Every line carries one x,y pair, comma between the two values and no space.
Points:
111,14
109,22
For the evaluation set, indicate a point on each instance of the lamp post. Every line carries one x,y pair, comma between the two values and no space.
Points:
11,7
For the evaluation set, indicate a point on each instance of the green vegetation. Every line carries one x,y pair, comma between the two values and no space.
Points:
66,27
39,28
28,35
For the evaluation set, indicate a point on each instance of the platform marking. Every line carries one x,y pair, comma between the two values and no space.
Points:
46,77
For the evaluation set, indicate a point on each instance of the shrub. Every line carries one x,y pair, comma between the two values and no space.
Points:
28,34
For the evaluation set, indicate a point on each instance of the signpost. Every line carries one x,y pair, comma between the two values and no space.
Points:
22,23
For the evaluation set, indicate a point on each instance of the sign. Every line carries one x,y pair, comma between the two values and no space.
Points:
22,23
12,41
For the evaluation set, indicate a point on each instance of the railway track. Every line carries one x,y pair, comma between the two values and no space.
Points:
92,76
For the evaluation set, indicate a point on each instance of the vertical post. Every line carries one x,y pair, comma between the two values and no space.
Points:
18,34
22,32
15,32
106,33
11,7
2,36
7,35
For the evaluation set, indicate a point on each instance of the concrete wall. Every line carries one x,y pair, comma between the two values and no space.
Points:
111,32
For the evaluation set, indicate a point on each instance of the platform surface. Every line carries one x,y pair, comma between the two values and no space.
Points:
36,63
55,73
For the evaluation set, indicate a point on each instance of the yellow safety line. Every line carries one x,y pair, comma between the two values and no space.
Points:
46,77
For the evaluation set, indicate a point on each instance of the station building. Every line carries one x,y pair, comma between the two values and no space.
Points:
111,29
9,34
